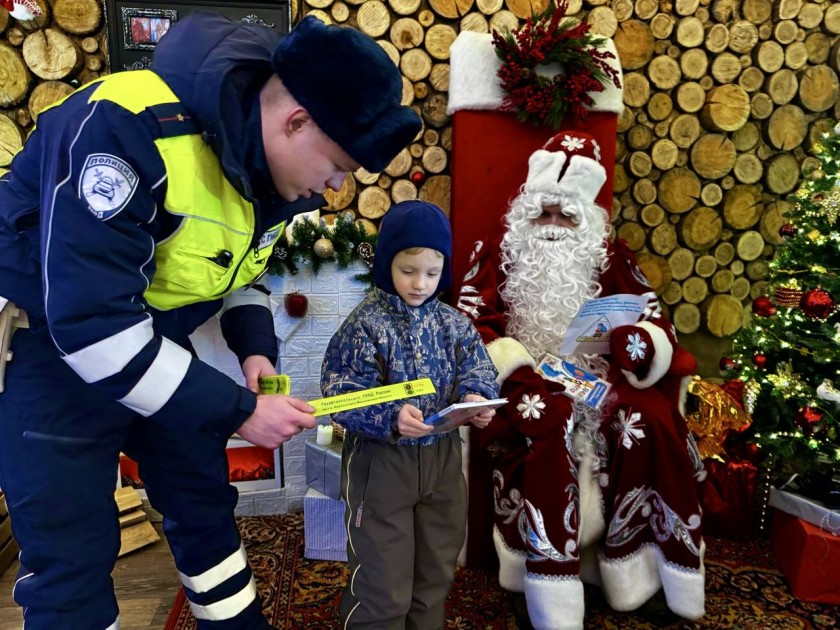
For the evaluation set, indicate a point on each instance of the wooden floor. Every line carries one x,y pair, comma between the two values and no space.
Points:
145,582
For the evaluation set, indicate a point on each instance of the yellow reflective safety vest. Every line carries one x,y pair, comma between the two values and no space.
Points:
212,252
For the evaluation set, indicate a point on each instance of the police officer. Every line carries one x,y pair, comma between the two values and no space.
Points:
142,205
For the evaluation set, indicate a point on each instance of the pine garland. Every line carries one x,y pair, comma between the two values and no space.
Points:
350,242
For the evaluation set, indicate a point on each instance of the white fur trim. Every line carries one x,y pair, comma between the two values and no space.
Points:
511,564
684,383
592,523
554,603
582,180
544,170
508,355
464,432
630,582
474,84
663,352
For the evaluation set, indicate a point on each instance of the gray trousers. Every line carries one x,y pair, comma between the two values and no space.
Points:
406,521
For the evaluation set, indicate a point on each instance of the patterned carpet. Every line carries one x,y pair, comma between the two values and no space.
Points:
744,590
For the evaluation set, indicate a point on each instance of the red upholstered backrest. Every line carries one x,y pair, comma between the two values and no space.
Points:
490,152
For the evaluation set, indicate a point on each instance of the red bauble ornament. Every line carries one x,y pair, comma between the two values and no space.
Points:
726,364
418,177
807,418
296,304
760,360
817,303
752,453
788,229
763,307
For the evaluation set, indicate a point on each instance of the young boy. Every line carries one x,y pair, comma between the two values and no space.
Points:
404,489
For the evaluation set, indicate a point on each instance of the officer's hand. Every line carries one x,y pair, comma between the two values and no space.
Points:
410,422
253,368
276,419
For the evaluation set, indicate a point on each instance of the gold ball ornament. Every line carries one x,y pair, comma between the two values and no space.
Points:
323,248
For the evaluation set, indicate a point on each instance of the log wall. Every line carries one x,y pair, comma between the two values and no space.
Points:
724,100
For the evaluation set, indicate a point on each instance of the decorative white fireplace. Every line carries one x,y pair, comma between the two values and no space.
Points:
332,294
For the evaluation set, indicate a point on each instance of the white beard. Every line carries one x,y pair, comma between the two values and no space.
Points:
547,281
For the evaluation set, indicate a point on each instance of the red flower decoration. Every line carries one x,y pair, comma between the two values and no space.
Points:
541,41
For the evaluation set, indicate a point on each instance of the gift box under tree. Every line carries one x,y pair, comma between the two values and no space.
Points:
808,555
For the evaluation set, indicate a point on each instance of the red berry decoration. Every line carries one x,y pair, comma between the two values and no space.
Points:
817,303
296,304
787,230
760,360
418,177
807,418
763,307
726,364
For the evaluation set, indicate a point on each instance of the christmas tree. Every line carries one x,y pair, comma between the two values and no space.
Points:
788,358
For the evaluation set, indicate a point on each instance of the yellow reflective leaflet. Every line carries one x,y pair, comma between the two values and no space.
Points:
276,384
373,396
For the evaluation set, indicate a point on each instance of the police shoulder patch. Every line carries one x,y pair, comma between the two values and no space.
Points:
107,184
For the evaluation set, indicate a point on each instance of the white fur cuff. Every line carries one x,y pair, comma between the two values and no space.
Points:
511,564
554,603
508,355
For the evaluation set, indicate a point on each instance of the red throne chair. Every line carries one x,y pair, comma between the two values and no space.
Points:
490,151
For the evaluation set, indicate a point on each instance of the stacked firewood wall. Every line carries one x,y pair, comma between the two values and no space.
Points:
724,100
43,60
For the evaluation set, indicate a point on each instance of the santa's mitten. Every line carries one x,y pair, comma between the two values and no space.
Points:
632,349
537,407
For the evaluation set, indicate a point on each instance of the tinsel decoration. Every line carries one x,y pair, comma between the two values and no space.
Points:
830,205
717,415
787,382
347,239
817,303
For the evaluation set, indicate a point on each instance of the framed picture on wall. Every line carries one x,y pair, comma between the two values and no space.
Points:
143,28
136,26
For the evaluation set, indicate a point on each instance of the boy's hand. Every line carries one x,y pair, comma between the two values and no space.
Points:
482,419
410,422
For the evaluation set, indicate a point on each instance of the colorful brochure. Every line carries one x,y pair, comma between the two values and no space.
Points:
580,384
589,331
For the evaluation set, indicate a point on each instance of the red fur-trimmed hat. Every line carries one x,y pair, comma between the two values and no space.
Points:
570,165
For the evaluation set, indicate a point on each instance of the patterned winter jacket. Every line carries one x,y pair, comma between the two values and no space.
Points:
384,341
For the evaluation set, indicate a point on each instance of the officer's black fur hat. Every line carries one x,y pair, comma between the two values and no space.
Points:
350,87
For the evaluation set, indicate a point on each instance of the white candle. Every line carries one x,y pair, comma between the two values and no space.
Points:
325,435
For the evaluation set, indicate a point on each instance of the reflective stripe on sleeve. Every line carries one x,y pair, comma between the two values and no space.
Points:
109,356
245,297
226,608
160,381
214,576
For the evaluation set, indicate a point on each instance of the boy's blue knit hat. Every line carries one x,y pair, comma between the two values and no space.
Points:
411,224
350,87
